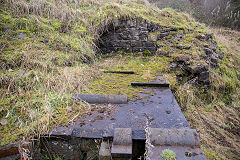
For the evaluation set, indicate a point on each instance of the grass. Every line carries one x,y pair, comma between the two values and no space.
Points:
146,69
215,113
40,71
57,57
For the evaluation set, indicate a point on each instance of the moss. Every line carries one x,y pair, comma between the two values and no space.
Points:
36,85
210,155
168,154
146,53
166,49
146,69
160,42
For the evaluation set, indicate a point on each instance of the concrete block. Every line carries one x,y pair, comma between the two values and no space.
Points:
122,143
105,152
174,137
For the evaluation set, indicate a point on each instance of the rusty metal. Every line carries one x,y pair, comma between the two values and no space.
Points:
101,99
120,72
11,149
150,84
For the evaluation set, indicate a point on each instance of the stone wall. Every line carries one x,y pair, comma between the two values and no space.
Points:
193,51
131,36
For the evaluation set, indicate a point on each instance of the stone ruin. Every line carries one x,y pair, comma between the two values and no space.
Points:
139,35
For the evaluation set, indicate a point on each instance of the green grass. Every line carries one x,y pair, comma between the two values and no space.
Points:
36,84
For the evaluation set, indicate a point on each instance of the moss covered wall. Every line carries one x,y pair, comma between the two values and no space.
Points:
132,35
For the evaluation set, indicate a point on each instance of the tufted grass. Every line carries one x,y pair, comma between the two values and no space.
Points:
215,113
36,84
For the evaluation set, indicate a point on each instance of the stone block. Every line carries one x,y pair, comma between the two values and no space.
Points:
131,23
135,49
149,45
174,137
152,38
125,35
162,35
122,143
105,152
151,49
136,43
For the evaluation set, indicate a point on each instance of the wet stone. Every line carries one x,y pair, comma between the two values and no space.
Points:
197,69
122,143
162,35
182,59
204,77
214,59
208,51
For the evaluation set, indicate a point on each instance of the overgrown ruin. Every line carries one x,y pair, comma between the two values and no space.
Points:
112,79
145,38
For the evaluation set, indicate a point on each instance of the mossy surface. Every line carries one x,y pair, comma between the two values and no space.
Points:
146,69
40,72
168,154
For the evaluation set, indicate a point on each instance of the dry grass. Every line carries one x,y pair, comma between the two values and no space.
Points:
215,114
36,84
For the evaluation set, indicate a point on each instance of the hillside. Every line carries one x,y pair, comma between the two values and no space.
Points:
49,50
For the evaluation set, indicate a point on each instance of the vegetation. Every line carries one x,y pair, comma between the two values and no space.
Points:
224,13
215,113
47,53
168,154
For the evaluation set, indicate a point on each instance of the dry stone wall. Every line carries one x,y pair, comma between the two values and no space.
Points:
193,51
132,36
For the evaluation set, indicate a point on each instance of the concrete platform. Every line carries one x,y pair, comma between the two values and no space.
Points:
158,105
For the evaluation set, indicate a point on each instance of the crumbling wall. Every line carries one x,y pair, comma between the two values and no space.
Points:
193,50
131,35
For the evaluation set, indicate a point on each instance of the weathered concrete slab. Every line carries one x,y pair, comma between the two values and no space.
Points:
61,131
158,106
182,153
122,143
101,99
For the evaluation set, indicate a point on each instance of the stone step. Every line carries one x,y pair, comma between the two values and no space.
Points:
183,142
122,144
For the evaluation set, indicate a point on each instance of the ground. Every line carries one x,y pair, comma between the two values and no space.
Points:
47,53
